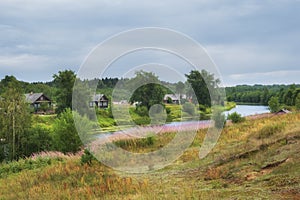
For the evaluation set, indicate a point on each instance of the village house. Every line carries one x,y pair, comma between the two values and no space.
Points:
283,111
39,102
99,101
174,98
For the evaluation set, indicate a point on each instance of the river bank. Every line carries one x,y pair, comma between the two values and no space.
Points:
144,131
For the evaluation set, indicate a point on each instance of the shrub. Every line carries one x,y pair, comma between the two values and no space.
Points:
142,110
189,108
103,113
235,117
36,139
150,140
86,158
142,120
168,110
202,108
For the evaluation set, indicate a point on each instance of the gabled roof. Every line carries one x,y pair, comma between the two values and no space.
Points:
33,97
98,97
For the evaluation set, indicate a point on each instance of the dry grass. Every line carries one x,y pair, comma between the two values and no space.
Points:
243,165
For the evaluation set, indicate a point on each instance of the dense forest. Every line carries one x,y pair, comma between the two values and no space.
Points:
261,94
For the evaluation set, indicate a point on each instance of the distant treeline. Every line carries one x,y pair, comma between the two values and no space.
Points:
49,88
261,94
256,94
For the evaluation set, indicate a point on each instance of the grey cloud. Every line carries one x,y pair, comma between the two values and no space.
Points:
241,36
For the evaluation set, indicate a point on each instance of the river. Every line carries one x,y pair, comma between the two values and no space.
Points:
246,110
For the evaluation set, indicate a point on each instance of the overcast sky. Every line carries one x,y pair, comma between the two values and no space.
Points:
250,41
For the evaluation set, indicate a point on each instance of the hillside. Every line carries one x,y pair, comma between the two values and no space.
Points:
257,159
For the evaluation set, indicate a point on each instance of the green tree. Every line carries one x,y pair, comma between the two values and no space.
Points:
202,83
297,102
151,92
274,105
265,96
288,97
36,139
15,120
65,135
81,98
64,81
6,81
180,86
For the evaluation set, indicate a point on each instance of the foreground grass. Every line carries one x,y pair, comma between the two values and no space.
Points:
257,159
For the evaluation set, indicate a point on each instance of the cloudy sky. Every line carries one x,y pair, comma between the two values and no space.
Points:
250,41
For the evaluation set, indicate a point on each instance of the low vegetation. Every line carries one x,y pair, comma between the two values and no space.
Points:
235,117
253,159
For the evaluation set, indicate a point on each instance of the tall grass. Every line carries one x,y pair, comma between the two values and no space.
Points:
235,169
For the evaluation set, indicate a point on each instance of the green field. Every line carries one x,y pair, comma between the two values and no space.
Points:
257,159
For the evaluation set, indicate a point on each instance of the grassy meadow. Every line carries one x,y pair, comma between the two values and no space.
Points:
256,159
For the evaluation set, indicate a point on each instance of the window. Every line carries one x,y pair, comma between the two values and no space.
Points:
91,104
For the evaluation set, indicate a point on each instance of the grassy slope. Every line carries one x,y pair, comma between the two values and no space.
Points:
257,159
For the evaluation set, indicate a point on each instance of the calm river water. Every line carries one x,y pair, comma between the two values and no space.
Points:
246,110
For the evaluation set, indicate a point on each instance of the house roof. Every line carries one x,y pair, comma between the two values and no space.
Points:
98,97
33,97
284,111
174,97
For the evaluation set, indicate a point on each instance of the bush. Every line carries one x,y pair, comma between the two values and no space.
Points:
202,108
189,108
142,110
103,113
65,135
150,140
142,120
235,117
274,105
86,158
35,140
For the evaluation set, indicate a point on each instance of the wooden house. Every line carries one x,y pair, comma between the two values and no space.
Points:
173,98
283,111
99,101
39,102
